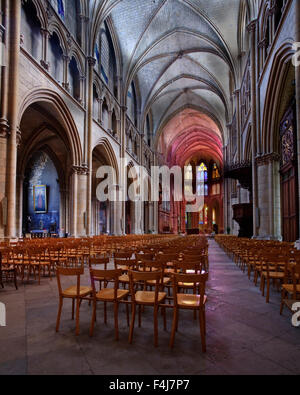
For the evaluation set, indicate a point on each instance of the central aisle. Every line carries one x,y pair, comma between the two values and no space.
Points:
244,334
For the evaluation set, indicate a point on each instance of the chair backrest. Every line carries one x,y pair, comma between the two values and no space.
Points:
138,277
152,266
98,262
130,263
189,267
123,255
275,263
199,281
144,257
167,258
108,275
295,279
69,272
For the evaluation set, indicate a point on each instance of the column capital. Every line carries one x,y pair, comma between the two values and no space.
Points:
66,58
264,160
19,136
263,43
91,61
4,128
252,26
45,65
84,18
80,170
45,32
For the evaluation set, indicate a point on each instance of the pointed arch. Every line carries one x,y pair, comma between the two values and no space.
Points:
54,99
111,157
278,74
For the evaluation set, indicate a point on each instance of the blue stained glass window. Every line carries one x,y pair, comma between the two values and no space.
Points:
97,53
61,9
202,178
206,190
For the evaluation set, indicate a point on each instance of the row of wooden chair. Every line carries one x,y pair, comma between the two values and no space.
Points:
271,262
140,297
40,257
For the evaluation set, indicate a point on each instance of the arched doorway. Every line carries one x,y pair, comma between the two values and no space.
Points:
131,212
284,144
48,151
289,175
104,213
193,140
41,196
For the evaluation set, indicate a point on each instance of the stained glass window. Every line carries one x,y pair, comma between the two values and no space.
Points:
205,190
201,217
188,177
61,7
202,174
202,178
216,173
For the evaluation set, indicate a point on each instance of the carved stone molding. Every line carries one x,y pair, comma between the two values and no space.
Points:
4,128
19,136
252,26
267,159
45,65
80,170
91,61
263,43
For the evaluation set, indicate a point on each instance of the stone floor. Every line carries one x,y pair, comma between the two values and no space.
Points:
244,334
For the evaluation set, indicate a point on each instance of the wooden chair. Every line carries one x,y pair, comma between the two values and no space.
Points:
108,295
8,272
276,270
130,265
123,255
146,298
96,262
76,293
291,292
194,302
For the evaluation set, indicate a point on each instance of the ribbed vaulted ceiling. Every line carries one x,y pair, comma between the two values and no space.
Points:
180,53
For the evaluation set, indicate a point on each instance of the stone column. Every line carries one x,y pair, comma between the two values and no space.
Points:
252,27
297,77
82,217
82,90
4,125
89,126
123,170
62,212
142,186
66,62
155,206
83,20
20,181
67,215
269,196
4,38
14,52
117,218
225,188
45,41
110,112
74,209
100,116
238,123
